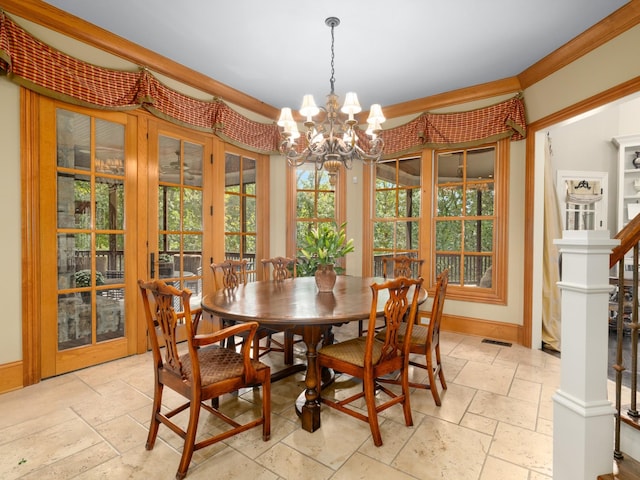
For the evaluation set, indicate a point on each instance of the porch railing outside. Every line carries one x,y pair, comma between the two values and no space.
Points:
474,266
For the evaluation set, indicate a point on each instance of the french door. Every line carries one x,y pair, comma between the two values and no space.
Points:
180,207
87,204
122,197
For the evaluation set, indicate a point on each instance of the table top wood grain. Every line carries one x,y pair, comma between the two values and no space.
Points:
296,301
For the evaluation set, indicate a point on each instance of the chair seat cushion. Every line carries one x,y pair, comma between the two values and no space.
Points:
418,334
217,364
352,351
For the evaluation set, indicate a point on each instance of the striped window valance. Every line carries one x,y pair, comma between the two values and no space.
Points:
39,67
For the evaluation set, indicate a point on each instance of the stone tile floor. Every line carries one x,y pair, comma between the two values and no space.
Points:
495,422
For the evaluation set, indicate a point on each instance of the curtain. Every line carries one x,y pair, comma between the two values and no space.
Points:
551,320
39,67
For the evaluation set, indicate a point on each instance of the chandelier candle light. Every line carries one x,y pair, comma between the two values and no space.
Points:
333,140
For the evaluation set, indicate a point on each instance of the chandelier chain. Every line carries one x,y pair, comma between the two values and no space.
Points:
332,80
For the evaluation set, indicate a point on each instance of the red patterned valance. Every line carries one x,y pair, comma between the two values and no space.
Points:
459,129
39,67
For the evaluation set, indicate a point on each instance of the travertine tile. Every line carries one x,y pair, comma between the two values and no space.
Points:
455,401
545,409
495,469
251,444
531,450
525,390
161,462
483,376
107,407
338,438
442,450
395,436
69,467
505,409
480,352
43,398
35,424
545,426
123,433
45,447
291,464
549,374
479,423
361,466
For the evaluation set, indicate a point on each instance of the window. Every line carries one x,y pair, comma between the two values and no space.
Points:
312,200
397,210
468,226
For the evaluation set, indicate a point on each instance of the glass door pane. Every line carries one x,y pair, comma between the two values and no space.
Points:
90,229
180,214
240,202
397,204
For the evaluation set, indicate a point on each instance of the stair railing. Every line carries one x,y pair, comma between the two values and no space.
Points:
629,238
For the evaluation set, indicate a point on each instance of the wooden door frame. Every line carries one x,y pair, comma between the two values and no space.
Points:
213,200
30,233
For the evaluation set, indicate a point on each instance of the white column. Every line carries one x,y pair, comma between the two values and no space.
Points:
583,417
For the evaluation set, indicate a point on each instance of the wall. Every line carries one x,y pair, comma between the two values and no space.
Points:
585,145
10,282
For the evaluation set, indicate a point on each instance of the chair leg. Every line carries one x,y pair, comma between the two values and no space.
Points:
370,399
189,439
406,405
432,379
155,423
440,372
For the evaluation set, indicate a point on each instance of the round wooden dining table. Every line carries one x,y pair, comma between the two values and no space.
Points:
296,302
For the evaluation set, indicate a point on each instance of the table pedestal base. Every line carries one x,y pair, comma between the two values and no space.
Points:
308,403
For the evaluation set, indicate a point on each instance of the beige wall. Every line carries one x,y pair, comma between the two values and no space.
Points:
11,337
608,66
600,70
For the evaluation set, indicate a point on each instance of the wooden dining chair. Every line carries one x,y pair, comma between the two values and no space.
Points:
425,340
284,268
402,266
229,275
370,358
203,371
393,267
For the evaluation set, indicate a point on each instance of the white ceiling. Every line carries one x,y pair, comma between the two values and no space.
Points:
388,52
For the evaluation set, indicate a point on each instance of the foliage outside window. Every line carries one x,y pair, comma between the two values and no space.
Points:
398,204
465,219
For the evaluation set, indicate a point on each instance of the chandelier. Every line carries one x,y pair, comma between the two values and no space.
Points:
333,140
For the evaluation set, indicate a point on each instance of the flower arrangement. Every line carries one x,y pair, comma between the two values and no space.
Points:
324,245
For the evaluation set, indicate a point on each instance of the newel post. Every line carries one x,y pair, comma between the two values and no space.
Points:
583,417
